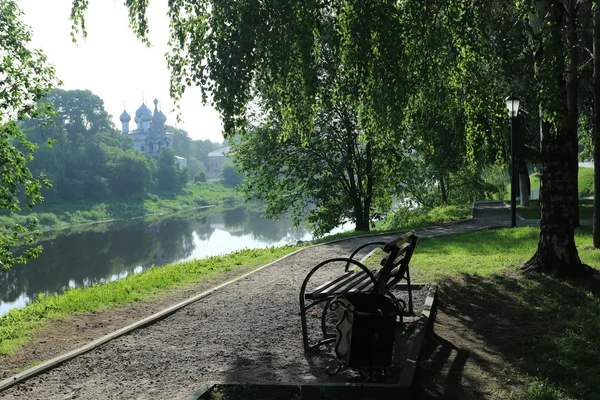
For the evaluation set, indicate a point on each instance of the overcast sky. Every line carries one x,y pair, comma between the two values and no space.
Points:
115,65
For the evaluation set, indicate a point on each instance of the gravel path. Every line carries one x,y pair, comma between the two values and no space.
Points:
247,331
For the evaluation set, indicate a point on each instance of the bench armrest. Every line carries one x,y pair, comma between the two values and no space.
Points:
359,248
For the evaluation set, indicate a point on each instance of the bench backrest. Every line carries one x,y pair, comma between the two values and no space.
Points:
395,264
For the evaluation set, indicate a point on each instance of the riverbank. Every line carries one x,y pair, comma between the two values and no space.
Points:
193,195
247,331
17,326
118,259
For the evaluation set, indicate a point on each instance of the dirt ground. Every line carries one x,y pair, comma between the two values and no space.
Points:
480,339
60,337
248,331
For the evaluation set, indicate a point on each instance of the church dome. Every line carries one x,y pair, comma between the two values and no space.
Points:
125,117
162,116
146,115
142,110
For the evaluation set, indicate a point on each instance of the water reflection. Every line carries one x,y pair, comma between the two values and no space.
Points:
112,251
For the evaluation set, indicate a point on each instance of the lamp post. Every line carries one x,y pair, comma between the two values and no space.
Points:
512,103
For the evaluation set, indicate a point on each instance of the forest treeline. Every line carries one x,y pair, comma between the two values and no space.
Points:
87,159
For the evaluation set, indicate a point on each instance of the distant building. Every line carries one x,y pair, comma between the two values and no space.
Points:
181,161
215,160
150,135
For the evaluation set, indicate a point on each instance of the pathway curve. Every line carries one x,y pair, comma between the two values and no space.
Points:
248,330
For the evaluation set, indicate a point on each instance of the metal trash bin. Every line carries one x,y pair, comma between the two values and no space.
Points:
366,330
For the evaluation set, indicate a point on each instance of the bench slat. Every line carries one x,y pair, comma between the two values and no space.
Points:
357,281
335,281
365,286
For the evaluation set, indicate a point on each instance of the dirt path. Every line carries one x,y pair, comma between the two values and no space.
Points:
248,330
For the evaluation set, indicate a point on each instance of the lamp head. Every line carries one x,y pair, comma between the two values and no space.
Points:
512,104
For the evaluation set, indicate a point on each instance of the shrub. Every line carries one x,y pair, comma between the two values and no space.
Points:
47,219
200,177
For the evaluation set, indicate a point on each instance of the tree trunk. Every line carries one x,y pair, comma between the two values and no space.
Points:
572,103
444,191
361,215
524,186
556,252
596,127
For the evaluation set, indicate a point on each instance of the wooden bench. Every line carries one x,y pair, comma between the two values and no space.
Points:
394,268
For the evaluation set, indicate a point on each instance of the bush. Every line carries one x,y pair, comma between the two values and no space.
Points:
200,177
230,175
47,219
408,217
586,182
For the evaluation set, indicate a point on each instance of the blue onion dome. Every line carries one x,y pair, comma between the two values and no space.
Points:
125,117
146,115
141,111
162,116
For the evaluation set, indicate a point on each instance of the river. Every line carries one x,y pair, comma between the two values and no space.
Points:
99,253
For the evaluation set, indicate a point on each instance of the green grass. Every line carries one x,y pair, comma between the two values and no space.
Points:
546,329
193,195
423,216
403,219
17,324
585,182
533,210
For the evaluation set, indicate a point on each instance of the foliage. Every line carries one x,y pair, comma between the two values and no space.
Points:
61,215
86,149
337,176
533,210
131,175
200,177
25,77
424,184
410,217
170,177
231,176
586,182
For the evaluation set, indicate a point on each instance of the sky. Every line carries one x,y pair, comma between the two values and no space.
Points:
114,64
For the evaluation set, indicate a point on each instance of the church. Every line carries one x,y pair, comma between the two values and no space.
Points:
150,135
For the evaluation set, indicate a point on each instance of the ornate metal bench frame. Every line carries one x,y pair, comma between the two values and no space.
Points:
359,280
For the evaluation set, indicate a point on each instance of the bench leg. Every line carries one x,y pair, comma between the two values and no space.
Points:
410,301
324,317
303,321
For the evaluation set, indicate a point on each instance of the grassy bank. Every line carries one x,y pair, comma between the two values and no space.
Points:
404,219
533,210
585,182
18,323
544,330
61,215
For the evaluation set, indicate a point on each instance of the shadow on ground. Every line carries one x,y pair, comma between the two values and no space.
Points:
532,337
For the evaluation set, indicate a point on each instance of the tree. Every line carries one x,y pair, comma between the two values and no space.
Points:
181,141
333,176
131,175
26,78
596,121
170,177
231,176
237,51
85,142
556,252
